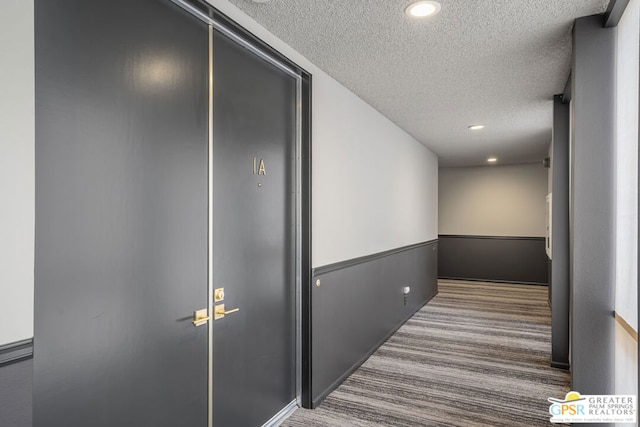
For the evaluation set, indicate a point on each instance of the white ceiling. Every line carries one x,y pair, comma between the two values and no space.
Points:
495,62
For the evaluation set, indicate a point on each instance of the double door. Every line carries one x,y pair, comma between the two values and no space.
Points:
165,169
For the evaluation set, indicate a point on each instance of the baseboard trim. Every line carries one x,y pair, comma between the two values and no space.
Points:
469,236
16,351
284,413
318,400
560,365
511,282
367,258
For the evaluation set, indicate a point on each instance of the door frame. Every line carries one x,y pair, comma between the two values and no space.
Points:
218,21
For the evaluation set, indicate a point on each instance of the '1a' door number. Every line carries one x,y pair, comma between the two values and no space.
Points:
258,167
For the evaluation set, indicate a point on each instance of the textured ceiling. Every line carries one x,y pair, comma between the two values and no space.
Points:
496,62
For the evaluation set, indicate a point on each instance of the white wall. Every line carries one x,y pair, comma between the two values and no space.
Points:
16,170
374,186
627,165
626,288
493,200
626,363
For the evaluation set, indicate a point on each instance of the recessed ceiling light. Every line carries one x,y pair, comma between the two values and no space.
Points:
492,160
476,127
422,9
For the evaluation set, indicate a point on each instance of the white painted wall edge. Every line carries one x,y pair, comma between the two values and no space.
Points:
627,58
626,362
17,169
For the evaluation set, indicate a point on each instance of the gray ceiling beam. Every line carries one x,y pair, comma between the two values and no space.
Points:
614,12
566,93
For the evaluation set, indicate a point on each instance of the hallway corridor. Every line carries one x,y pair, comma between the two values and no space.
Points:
476,355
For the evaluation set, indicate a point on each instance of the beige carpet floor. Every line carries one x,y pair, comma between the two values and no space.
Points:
475,355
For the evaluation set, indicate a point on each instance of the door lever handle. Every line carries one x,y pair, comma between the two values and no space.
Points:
219,311
200,317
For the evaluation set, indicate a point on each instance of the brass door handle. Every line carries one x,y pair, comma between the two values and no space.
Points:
200,317
219,311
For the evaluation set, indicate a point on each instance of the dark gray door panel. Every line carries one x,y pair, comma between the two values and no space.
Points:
121,214
254,236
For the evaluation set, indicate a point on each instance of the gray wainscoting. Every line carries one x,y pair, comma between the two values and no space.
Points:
360,303
559,269
16,378
496,259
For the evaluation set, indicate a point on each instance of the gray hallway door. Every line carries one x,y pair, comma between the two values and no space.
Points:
121,214
254,251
